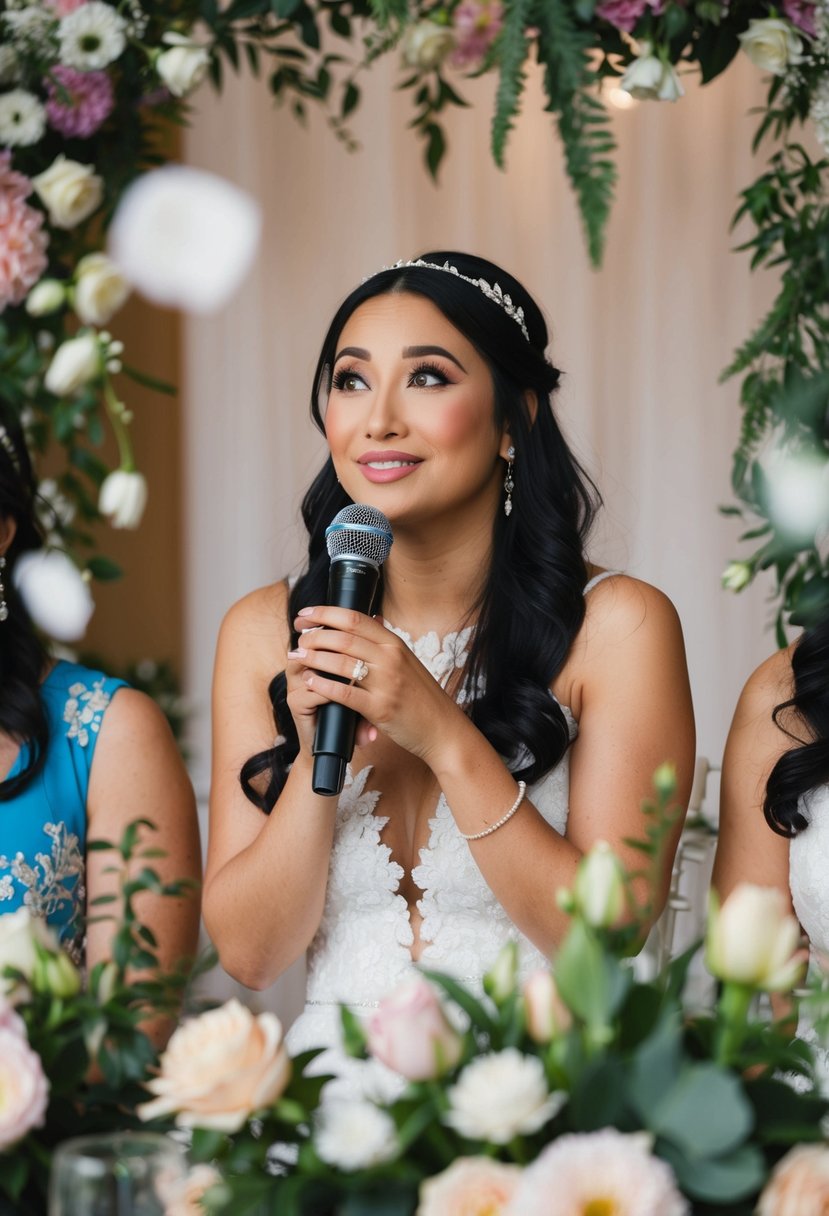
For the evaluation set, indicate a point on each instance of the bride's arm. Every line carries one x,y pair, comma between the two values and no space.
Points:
266,874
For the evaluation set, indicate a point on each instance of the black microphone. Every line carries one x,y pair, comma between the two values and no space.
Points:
358,541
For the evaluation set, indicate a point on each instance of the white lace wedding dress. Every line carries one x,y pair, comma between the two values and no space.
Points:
362,949
809,884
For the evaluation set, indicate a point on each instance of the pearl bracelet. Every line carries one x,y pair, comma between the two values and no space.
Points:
522,789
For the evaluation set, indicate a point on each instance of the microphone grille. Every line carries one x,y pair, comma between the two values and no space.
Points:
359,531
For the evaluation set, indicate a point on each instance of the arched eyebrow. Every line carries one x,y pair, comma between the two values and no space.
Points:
408,352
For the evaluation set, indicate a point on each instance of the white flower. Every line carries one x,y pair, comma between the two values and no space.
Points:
355,1135
185,238
184,66
69,191
123,498
753,939
736,575
20,934
100,289
426,44
22,119
650,78
501,1095
819,113
32,28
52,505
91,37
599,888
798,492
772,44
55,594
9,67
74,364
46,296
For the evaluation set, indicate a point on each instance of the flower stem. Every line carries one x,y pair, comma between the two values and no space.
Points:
115,412
734,1005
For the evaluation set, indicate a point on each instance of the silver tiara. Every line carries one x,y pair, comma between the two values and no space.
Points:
9,448
492,291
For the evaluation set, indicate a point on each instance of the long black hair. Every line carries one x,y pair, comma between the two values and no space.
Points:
22,656
531,606
806,767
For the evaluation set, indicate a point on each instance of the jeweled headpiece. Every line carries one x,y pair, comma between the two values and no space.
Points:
492,291
9,448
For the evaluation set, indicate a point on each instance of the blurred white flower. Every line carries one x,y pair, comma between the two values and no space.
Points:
100,289
798,487
735,576
754,939
46,296
123,498
650,78
819,113
501,1095
599,888
184,65
9,67
355,1135
22,119
426,44
91,37
55,594
20,935
74,364
185,238
772,44
70,191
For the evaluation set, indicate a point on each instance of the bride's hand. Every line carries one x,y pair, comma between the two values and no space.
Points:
397,695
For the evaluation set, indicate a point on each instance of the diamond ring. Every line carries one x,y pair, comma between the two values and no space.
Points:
360,672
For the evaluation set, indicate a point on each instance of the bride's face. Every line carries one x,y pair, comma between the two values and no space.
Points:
410,419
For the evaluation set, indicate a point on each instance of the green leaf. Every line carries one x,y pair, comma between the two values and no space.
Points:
285,8
705,1112
592,983
512,48
148,381
104,569
721,1180
435,147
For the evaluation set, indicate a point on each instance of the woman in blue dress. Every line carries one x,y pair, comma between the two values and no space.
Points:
81,756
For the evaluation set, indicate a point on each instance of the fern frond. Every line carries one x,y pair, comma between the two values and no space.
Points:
511,53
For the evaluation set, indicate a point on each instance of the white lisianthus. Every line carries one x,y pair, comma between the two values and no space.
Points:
736,575
355,1135
20,935
650,78
70,191
55,594
100,289
500,1096
185,238
45,297
772,44
74,364
426,44
123,498
22,119
92,37
184,66
599,888
754,940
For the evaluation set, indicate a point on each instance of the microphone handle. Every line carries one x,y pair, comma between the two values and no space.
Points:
352,583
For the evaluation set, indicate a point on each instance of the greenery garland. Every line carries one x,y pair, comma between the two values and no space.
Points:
87,88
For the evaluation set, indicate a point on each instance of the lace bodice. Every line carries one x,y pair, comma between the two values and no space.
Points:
362,949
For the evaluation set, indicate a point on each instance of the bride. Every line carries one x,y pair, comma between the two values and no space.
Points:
514,699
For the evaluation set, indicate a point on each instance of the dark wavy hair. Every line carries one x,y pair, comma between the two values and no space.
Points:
531,605
807,767
22,656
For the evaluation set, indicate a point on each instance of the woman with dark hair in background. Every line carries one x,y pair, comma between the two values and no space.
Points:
81,756
514,699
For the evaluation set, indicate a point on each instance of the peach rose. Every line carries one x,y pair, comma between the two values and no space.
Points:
471,1186
799,1185
410,1033
220,1068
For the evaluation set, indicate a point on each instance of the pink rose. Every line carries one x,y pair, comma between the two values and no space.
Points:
410,1033
24,1090
547,1015
799,1185
624,14
471,1186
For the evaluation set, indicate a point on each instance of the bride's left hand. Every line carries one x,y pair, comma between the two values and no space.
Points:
397,696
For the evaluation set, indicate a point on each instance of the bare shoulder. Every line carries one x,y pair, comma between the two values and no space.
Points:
768,686
624,612
255,630
132,720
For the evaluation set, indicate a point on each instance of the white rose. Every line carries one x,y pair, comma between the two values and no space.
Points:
754,940
19,933
46,296
355,1135
74,364
650,78
599,888
100,289
500,1096
69,191
123,497
426,44
184,66
220,1068
772,44
55,594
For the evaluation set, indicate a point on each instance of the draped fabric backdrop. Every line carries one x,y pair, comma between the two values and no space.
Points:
642,341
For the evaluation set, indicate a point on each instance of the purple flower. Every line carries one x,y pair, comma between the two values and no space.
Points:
802,14
624,14
477,23
79,102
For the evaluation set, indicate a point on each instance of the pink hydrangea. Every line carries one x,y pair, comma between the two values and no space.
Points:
22,239
802,14
79,102
477,23
624,14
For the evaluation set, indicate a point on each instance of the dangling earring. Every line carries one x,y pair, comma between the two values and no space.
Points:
509,484
4,608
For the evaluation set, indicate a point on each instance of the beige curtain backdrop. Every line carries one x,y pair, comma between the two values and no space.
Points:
642,341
